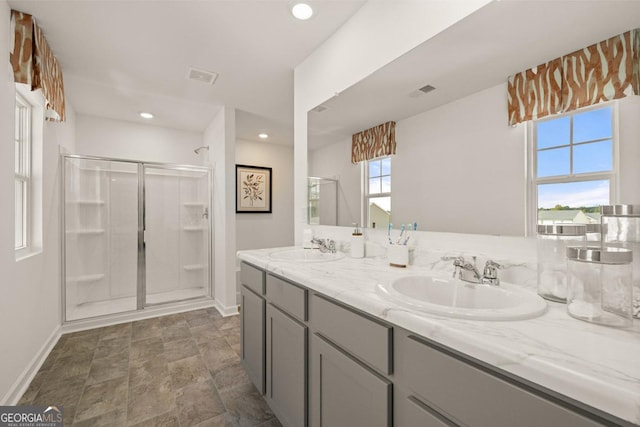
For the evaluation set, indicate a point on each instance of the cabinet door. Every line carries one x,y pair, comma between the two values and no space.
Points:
253,336
345,392
286,368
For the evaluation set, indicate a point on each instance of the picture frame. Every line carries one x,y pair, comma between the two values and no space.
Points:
253,189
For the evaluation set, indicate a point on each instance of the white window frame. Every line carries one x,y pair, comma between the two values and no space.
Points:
23,176
532,155
365,189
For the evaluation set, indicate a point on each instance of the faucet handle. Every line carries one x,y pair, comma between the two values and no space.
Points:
492,264
490,273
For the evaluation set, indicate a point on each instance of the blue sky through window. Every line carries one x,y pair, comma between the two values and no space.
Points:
554,162
595,124
553,133
594,157
573,194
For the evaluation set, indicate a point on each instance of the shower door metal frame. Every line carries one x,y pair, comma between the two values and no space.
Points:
141,255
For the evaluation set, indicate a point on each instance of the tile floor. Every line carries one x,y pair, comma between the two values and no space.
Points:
177,370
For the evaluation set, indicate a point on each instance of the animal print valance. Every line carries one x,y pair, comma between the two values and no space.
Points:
33,63
535,93
376,142
601,72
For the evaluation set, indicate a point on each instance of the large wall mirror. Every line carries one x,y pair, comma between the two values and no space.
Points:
459,166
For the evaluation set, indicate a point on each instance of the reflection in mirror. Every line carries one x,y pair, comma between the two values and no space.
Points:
378,193
322,206
459,166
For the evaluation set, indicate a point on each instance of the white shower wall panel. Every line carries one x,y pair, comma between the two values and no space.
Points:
162,222
123,236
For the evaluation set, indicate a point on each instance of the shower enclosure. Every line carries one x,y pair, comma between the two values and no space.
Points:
136,234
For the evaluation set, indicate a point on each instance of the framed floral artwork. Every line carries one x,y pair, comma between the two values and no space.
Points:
253,189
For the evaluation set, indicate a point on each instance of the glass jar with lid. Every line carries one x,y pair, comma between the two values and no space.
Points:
621,228
552,242
599,285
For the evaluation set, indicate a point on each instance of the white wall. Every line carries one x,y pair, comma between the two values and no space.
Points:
334,161
362,45
96,136
220,135
460,168
257,231
30,288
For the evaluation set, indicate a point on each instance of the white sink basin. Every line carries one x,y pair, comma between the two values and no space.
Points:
455,298
305,255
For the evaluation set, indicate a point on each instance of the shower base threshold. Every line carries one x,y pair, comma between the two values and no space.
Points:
104,318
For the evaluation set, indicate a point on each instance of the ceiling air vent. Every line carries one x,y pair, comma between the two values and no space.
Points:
427,89
203,76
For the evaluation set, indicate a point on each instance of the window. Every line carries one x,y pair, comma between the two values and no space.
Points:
378,192
22,147
573,166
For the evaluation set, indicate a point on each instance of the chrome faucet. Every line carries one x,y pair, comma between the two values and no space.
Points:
325,245
468,271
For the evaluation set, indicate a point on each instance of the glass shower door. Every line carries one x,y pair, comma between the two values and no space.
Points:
177,233
101,237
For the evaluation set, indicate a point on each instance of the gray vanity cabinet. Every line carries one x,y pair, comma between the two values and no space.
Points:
252,331
344,392
454,391
287,344
322,363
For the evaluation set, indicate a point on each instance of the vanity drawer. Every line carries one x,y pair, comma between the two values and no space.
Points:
287,296
472,395
252,277
367,339
410,411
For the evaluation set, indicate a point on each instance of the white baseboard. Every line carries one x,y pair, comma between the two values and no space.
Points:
226,311
20,386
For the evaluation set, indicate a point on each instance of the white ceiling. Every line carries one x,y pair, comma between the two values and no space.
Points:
479,52
120,57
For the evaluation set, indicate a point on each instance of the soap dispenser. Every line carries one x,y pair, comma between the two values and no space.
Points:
357,242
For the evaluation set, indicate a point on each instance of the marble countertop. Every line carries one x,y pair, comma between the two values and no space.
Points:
593,364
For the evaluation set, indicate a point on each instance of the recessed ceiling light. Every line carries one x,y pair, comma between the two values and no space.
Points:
263,136
302,11
146,115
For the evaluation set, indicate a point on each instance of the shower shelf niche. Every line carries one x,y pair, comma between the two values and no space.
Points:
193,267
193,228
87,231
86,202
87,278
